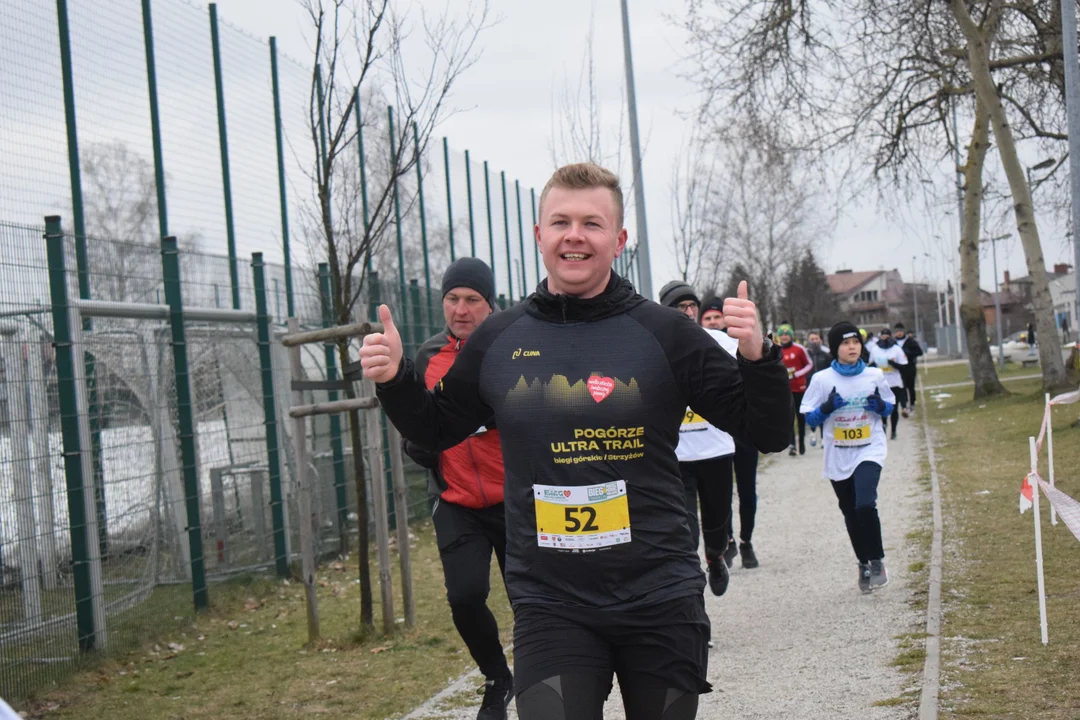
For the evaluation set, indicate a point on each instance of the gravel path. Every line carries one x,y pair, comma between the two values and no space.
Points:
795,638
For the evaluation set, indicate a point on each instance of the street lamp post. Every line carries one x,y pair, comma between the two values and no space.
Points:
997,299
1048,162
915,296
645,262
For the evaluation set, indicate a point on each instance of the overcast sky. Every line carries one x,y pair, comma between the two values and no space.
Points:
504,114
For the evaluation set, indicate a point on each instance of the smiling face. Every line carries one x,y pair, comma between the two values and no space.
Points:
580,234
464,309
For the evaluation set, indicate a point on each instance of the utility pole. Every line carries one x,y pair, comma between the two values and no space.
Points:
997,299
960,221
1072,102
915,296
645,266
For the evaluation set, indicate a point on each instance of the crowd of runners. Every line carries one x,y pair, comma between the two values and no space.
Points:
576,435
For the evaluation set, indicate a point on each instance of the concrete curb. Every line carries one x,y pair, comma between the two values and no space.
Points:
931,682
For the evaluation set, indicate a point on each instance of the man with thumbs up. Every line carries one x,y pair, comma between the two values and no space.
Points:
588,383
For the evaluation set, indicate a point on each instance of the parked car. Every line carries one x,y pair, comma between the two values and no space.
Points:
1016,348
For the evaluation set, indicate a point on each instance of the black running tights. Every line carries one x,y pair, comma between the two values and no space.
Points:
581,696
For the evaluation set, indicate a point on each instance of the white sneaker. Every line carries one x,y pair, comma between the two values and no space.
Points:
813,441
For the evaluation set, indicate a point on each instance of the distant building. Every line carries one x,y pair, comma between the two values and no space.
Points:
869,298
1063,295
1017,309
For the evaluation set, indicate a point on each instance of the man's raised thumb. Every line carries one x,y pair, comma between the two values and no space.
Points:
387,320
742,292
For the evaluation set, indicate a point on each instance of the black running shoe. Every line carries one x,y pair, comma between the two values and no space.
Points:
864,577
878,576
893,437
730,552
791,451
749,559
497,696
719,575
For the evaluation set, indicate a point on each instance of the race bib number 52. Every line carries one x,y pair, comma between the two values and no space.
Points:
587,517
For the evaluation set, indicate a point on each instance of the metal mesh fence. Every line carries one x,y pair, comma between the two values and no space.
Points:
137,511
125,566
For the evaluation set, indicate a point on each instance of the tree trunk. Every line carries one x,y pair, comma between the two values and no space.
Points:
367,606
983,370
1053,367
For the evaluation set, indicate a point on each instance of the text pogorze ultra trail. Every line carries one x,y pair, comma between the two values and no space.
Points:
588,396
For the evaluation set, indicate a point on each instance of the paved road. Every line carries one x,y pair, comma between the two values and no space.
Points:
795,638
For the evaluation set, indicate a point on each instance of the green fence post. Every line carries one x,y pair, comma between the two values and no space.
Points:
468,192
155,120
336,448
363,182
397,215
423,230
419,329
521,241
273,457
449,196
536,246
82,264
223,143
170,275
282,195
490,226
506,231
69,427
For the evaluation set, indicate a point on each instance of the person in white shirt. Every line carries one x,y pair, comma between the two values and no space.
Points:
889,357
745,462
705,455
847,399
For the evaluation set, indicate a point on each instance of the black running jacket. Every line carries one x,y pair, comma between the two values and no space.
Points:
588,395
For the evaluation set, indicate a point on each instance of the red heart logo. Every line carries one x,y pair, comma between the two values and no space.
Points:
566,493
600,387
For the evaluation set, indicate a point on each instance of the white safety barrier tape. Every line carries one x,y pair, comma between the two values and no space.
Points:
1067,508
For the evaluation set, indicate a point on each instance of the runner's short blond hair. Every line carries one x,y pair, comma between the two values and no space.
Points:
584,176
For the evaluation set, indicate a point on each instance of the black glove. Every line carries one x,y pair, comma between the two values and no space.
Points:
895,365
420,455
832,402
875,403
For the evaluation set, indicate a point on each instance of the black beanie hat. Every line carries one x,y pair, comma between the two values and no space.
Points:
840,332
899,326
717,303
675,292
472,273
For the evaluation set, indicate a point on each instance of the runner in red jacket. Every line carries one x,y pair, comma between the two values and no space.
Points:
467,480
799,367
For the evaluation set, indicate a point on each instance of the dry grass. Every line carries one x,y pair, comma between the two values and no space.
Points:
994,664
246,658
930,375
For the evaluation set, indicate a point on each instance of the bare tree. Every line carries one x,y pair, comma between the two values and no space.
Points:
772,221
879,78
983,371
579,131
120,201
359,56
698,220
978,52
